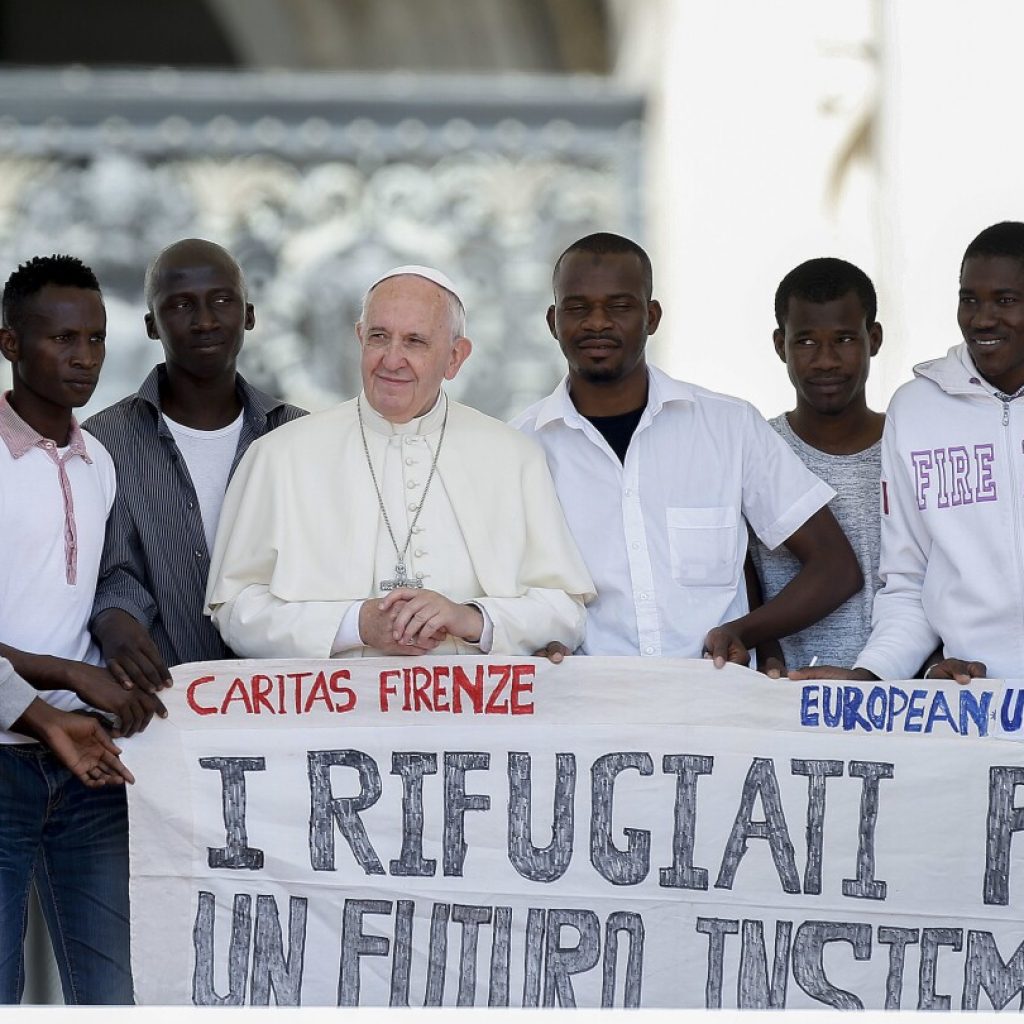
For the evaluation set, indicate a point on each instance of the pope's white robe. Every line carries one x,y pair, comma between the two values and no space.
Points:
301,536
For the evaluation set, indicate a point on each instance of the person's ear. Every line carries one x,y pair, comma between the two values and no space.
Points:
875,338
653,315
9,345
779,339
460,353
250,316
151,327
551,322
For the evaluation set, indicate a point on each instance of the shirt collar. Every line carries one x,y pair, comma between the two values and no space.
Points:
428,423
661,389
256,405
20,437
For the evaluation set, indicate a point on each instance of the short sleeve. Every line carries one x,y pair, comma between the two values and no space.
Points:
779,492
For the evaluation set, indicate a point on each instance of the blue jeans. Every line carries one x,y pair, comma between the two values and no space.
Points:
72,842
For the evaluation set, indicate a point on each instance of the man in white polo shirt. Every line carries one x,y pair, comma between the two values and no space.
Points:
656,477
56,488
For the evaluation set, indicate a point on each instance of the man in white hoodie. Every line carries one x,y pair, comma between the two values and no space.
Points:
952,544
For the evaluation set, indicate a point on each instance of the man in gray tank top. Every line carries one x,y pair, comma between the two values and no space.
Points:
826,335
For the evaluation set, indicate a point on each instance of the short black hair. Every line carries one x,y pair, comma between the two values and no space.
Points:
1003,239
34,275
825,279
605,242
192,246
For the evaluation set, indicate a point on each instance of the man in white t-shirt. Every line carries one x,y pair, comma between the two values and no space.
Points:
175,444
658,479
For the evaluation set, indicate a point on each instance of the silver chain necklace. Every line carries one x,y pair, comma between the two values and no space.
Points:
401,578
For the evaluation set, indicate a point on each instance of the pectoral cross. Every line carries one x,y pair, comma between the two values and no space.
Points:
400,580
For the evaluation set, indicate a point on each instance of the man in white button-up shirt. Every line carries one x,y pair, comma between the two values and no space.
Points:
399,522
657,476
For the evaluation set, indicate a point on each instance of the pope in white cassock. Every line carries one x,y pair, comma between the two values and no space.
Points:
400,522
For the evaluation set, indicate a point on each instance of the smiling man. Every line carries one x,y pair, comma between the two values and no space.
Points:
399,522
175,445
827,336
658,479
951,559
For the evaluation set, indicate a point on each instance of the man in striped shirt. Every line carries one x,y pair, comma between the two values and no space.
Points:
175,445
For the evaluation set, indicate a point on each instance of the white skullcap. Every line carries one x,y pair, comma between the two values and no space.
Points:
442,280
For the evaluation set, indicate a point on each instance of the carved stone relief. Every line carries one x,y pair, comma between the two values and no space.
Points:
314,207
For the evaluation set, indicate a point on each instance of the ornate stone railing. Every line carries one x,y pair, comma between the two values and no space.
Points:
318,182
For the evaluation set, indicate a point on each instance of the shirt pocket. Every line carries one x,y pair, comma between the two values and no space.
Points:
702,544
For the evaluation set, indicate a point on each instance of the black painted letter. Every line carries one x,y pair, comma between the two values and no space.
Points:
760,782
412,766
682,874
561,962
457,801
1004,818
865,885
203,993
540,864
620,867
986,970
270,968
816,772
716,929
809,960
325,808
238,853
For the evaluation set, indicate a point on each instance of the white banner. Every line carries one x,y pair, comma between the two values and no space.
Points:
608,831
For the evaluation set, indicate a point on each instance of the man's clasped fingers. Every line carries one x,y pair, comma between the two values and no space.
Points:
422,617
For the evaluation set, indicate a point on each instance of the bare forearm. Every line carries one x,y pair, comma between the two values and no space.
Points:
40,670
812,594
828,575
36,719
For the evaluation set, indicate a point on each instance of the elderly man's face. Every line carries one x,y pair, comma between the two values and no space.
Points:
407,347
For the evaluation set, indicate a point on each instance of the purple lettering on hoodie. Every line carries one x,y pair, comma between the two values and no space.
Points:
985,486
